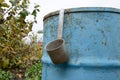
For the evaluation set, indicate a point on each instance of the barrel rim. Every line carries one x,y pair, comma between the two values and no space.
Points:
84,9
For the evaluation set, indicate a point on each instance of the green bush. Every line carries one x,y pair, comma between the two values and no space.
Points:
34,72
5,75
14,53
13,28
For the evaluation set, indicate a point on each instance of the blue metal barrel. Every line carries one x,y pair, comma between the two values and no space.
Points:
92,39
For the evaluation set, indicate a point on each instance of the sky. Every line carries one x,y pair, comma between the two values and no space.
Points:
47,6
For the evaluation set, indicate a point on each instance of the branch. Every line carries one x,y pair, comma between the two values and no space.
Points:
8,10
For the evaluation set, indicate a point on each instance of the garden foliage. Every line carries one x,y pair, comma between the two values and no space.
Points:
13,28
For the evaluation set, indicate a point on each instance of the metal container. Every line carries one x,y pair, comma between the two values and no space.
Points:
57,51
56,48
92,39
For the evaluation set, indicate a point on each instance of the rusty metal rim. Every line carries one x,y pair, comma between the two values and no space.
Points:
84,9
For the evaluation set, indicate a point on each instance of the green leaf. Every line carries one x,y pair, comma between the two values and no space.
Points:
4,5
5,62
38,10
12,2
34,13
36,6
1,1
24,13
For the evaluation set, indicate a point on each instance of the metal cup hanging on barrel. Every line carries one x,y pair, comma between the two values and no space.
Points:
56,49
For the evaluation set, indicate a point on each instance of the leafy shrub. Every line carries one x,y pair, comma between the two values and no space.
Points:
5,75
34,72
13,27
14,53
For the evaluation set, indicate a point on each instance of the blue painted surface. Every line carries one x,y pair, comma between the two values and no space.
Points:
92,38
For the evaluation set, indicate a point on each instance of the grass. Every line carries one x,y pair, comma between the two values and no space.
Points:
34,72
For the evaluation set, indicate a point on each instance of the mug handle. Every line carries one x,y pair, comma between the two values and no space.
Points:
60,24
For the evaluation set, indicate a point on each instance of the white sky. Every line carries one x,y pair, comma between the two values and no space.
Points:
48,6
